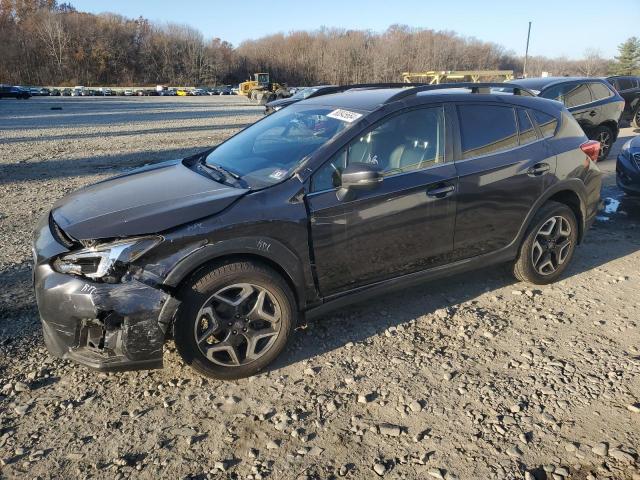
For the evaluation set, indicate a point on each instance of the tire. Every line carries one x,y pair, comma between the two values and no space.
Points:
535,244
635,119
229,335
604,135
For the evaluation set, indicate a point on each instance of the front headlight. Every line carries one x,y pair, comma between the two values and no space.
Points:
106,260
626,149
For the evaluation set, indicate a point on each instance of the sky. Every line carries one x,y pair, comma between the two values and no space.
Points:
560,28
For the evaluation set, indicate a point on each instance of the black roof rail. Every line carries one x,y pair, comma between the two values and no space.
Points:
482,87
355,86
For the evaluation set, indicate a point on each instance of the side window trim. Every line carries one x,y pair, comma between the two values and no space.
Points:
539,128
537,131
447,144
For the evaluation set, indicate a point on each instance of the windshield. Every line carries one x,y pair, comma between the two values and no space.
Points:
304,93
268,151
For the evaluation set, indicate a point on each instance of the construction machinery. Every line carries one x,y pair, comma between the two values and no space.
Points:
451,76
262,90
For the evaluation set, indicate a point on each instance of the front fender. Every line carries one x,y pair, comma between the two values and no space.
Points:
271,250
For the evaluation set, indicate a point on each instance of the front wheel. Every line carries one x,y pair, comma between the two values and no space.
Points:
235,319
548,246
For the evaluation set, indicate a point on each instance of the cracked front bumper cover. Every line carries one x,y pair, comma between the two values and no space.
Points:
101,325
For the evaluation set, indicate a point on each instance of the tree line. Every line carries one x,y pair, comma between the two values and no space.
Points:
43,42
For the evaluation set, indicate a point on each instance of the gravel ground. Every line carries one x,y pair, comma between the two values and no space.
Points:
473,377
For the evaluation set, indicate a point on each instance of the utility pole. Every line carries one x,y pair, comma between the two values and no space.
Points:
526,53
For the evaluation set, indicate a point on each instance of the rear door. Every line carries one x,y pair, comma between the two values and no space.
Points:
503,165
607,109
406,224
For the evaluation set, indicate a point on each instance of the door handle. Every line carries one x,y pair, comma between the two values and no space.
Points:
538,169
441,191
592,113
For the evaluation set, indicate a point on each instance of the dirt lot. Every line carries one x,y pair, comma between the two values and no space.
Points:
474,377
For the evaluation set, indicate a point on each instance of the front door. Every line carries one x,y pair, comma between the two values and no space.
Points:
404,225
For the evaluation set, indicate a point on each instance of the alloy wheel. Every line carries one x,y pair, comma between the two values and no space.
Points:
636,117
238,324
605,144
552,245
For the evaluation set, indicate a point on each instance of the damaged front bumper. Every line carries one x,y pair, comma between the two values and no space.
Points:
104,326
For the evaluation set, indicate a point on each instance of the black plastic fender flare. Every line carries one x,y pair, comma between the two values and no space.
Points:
271,250
573,185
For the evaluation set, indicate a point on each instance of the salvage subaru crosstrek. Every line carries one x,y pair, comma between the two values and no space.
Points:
325,202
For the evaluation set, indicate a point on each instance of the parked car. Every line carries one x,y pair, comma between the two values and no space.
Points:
182,92
35,91
595,105
327,201
213,91
67,92
628,167
128,93
55,92
301,94
226,90
629,88
8,91
198,92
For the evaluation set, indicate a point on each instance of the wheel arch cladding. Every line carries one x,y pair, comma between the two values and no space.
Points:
571,199
570,193
266,251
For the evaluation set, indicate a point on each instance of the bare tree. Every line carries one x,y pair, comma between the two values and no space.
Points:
53,35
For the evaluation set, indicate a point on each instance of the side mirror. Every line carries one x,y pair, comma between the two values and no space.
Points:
358,176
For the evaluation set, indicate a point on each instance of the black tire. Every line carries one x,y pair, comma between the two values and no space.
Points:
604,135
635,119
525,268
201,290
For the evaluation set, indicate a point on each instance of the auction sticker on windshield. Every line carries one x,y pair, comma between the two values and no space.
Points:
344,115
278,174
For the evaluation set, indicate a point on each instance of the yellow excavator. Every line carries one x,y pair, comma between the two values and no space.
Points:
262,90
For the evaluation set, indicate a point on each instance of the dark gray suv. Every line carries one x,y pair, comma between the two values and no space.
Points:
325,202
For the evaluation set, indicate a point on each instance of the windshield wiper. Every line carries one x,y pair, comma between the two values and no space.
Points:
224,175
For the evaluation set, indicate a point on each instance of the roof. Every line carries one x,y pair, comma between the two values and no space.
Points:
359,99
370,98
540,83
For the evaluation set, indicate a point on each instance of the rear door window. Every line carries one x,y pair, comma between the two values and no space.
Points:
600,91
525,127
624,84
547,123
487,129
571,94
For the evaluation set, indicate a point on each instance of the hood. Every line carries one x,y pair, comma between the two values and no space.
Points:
147,200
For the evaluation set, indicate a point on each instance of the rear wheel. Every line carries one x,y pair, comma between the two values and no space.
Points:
235,320
548,246
604,135
635,120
